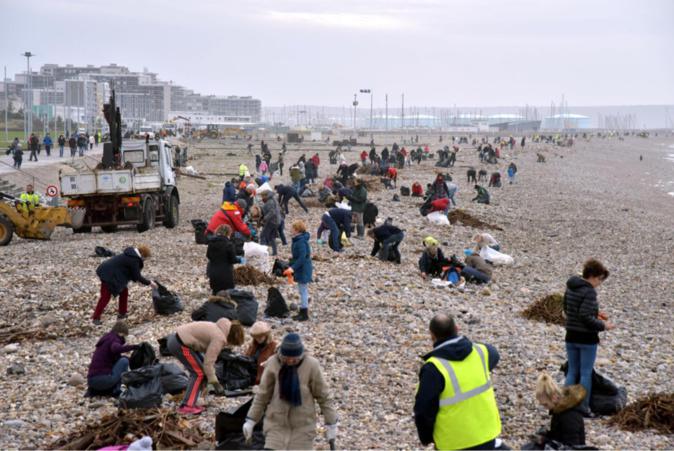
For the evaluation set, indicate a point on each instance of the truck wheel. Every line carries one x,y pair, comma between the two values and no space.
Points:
6,230
172,215
147,221
84,229
109,228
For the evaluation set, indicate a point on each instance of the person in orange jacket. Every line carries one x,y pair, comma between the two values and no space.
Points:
230,213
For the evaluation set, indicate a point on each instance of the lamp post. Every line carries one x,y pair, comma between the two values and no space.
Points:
355,104
368,91
28,128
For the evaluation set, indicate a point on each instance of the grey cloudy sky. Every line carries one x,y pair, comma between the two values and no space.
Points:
440,53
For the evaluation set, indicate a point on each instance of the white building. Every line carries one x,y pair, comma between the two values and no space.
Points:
566,121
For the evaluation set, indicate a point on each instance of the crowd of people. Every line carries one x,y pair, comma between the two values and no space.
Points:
78,144
455,403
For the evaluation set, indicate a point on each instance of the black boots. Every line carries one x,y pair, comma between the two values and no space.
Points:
303,315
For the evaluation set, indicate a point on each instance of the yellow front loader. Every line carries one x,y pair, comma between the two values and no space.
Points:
37,223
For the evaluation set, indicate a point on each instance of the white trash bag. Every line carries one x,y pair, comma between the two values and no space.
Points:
497,258
438,218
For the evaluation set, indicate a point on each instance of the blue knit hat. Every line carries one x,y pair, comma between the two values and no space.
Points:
292,346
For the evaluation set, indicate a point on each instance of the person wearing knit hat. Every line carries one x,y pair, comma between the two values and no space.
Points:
291,386
262,347
432,260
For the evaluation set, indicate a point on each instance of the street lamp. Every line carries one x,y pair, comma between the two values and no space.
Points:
368,91
355,104
29,127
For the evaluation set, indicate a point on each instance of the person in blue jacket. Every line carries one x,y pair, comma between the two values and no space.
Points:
47,141
336,220
301,267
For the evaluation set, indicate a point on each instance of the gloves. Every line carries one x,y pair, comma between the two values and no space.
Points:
288,272
242,260
331,431
217,388
248,429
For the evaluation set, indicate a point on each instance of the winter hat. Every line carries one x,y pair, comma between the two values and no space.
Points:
430,241
260,328
292,346
467,252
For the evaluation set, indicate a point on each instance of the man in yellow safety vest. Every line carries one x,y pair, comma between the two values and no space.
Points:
455,406
29,200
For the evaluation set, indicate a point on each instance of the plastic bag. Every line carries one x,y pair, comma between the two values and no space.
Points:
246,306
165,302
343,205
143,356
173,379
228,427
279,267
235,371
438,218
264,187
141,388
252,249
607,398
276,304
495,257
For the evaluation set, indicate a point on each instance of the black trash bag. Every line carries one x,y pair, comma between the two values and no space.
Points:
199,231
173,379
279,267
228,429
101,251
238,245
276,304
235,371
396,198
141,388
246,306
143,356
606,398
165,302
405,191
163,347
370,214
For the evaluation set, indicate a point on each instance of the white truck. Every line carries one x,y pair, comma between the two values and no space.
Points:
139,191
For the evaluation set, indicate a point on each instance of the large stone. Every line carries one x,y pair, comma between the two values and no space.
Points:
16,369
76,380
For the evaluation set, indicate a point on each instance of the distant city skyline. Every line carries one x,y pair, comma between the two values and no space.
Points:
442,53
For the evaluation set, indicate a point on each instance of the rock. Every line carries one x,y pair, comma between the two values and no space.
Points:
16,369
14,423
10,348
485,292
76,380
48,320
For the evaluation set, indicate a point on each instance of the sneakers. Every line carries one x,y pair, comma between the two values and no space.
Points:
97,322
303,315
187,410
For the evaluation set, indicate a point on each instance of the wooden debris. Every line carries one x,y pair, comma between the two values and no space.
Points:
549,309
167,429
468,220
248,275
655,411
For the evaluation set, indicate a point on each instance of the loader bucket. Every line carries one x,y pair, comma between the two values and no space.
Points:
76,217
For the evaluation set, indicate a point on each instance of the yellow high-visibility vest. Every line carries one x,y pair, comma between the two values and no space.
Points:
468,414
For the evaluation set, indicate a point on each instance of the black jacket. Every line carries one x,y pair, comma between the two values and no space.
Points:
342,218
221,256
432,265
568,427
432,383
116,272
581,309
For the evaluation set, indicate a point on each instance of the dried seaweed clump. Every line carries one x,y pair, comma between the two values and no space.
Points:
549,309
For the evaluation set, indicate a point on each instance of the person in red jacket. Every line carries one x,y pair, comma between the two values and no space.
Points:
230,213
392,175
363,157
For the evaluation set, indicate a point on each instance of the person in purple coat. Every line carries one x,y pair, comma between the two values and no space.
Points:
107,363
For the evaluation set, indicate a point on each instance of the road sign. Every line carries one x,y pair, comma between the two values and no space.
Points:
52,191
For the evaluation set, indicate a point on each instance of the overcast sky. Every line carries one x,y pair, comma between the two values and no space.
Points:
316,52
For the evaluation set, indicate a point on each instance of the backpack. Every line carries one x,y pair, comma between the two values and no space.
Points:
143,356
276,304
370,214
405,190
165,302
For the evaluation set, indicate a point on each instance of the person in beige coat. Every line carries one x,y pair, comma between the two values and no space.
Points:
290,384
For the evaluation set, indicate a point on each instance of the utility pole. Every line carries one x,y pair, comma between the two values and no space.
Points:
355,104
4,85
402,122
29,97
386,97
